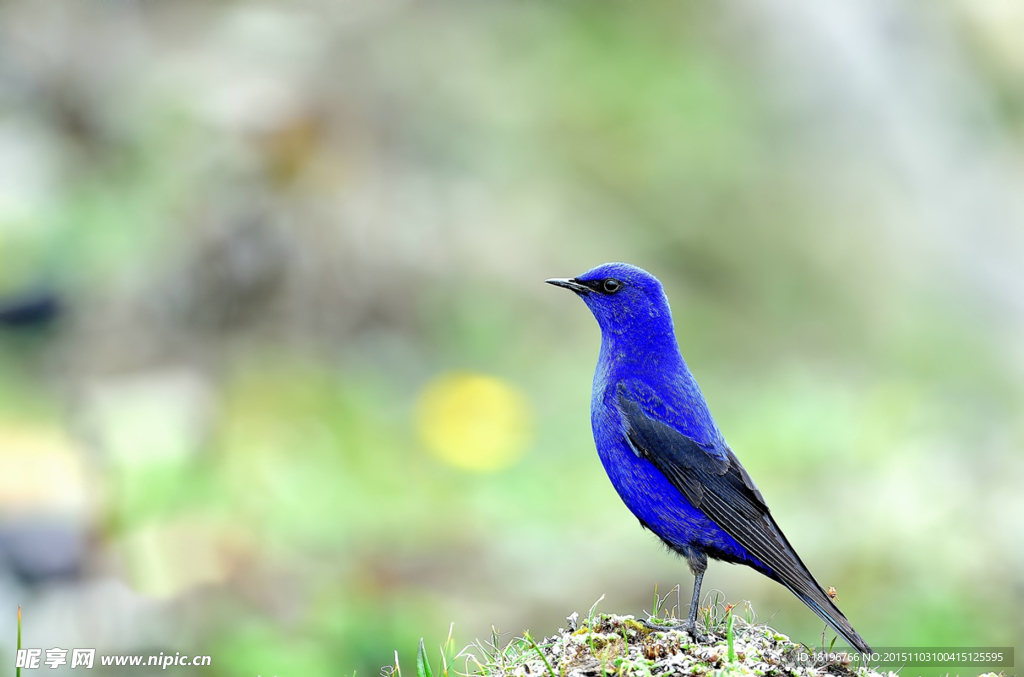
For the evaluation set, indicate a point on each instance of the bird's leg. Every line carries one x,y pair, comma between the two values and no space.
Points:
691,621
698,562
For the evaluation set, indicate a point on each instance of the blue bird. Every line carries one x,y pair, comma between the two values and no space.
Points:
664,453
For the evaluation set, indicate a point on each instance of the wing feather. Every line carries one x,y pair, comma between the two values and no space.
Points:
716,483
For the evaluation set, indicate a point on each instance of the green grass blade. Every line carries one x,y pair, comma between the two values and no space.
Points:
728,634
590,616
422,663
540,653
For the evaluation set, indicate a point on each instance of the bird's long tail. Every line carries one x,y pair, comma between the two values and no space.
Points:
811,594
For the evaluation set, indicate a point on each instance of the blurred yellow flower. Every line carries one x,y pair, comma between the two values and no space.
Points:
474,421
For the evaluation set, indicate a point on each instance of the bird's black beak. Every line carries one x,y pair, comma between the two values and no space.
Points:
568,283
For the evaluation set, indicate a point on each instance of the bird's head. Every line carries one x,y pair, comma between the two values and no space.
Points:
624,299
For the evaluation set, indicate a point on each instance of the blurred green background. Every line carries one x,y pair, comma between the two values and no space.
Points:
280,381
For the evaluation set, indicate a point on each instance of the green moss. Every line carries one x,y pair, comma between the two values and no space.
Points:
619,645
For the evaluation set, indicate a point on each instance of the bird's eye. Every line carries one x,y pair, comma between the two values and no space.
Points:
611,285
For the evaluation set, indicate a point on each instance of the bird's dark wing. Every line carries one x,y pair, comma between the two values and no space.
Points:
721,488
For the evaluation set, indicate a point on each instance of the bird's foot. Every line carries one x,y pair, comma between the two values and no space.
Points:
687,626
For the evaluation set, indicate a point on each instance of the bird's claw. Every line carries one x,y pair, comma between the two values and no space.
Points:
689,627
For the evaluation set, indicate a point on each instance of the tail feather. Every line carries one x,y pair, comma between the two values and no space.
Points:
817,601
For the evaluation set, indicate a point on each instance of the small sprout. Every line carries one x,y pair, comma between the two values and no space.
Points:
17,671
422,663
590,615
729,634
